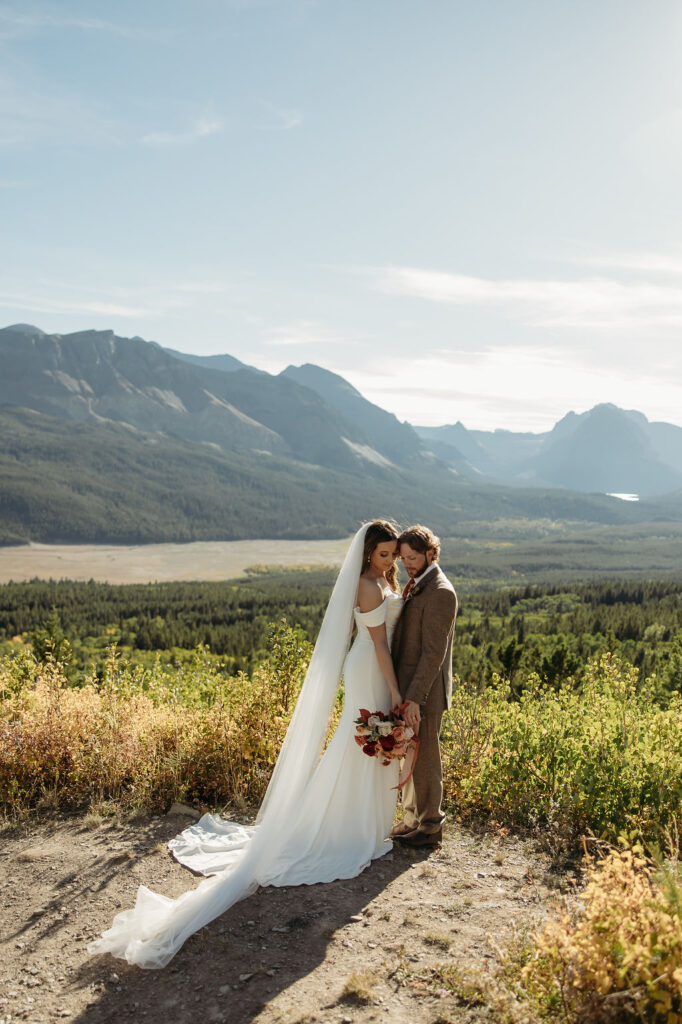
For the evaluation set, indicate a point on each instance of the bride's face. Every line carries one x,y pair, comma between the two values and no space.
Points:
383,556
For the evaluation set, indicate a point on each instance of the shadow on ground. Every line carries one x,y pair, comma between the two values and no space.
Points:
237,964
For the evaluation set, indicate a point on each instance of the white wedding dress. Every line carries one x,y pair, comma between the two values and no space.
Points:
322,817
347,810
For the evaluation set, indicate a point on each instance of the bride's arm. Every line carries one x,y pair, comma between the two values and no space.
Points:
383,653
370,596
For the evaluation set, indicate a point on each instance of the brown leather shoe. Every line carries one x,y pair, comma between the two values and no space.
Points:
420,839
401,829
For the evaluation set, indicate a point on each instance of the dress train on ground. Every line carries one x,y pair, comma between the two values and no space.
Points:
338,823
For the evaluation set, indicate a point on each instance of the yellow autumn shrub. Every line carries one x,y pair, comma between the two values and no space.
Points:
613,955
144,737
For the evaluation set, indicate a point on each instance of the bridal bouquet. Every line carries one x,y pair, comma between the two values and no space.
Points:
384,735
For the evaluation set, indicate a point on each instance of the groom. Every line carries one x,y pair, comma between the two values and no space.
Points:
422,656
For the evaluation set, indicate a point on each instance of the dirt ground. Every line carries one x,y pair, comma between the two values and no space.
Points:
279,957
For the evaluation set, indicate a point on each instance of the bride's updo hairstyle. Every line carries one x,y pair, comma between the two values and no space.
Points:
378,532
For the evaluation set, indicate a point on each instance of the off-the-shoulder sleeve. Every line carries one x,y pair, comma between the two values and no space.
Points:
373,618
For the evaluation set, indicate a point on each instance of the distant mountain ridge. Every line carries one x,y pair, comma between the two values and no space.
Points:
226,363
116,438
316,416
607,449
398,441
95,375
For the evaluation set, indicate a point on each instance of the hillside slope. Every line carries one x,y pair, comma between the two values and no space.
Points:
96,375
398,441
71,482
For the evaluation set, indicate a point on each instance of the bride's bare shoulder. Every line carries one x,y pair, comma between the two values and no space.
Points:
370,594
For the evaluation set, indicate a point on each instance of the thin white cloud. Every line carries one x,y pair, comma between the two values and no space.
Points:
284,119
201,288
597,302
257,5
648,262
36,303
304,332
514,387
29,115
201,129
15,22
51,295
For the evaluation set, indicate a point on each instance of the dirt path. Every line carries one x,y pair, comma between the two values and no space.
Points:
279,957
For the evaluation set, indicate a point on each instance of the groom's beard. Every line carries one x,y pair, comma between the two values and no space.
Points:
413,573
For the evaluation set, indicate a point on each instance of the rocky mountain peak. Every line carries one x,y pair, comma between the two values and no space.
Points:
28,329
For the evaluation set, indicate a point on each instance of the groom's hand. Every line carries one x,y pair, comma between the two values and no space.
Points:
412,715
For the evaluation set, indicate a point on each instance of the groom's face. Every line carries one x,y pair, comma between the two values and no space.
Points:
414,561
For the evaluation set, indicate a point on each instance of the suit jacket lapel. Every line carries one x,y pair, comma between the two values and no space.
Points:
428,581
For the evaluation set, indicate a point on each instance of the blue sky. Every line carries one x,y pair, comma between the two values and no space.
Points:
471,210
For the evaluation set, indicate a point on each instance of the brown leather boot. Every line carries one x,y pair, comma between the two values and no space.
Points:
417,839
401,829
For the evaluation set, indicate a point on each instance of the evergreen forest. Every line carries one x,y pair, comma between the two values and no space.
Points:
548,630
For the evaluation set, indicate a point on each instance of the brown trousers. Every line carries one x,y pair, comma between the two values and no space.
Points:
425,789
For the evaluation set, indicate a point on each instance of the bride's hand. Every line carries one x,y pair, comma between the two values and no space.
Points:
396,700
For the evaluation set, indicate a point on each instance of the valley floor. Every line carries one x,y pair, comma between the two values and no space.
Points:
502,553
281,956
152,563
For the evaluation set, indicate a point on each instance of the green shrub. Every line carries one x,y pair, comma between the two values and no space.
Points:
605,759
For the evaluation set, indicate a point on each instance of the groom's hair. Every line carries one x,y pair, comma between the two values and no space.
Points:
421,539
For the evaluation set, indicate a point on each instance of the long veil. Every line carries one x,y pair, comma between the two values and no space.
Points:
151,932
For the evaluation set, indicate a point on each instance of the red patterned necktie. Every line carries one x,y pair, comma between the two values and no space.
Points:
408,590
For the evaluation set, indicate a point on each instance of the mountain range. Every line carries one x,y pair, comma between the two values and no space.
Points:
112,438
606,449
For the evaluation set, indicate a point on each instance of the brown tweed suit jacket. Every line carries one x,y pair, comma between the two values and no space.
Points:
422,643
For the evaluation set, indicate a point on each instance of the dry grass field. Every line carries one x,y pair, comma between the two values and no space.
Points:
156,563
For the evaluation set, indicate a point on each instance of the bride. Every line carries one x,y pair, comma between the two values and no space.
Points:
321,818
